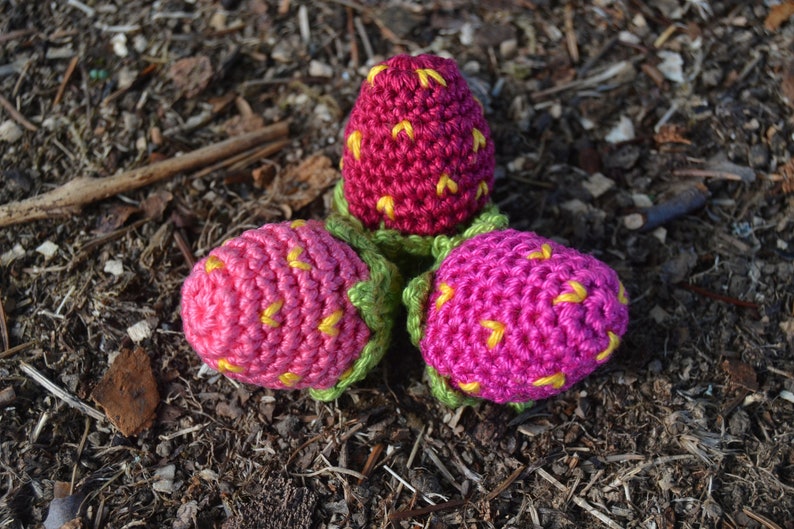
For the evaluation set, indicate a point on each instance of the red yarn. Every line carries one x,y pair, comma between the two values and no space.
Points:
418,154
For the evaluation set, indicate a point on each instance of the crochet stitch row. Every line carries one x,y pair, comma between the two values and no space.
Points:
418,156
290,305
512,317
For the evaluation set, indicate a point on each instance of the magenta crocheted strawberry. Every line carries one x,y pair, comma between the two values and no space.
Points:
511,317
292,305
418,155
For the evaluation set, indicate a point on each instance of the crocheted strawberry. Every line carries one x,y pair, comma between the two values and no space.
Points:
512,317
418,154
292,305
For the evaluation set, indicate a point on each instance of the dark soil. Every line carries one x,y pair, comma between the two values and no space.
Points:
692,422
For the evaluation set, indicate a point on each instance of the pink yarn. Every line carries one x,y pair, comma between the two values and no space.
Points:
514,317
270,307
418,154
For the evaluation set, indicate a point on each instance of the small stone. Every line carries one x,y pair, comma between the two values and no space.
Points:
658,314
119,44
140,43
164,479
598,184
508,48
641,200
114,267
6,258
320,69
218,21
672,66
623,131
759,156
140,331
10,132
48,249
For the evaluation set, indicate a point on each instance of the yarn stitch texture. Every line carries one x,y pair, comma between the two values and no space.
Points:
513,317
418,154
273,307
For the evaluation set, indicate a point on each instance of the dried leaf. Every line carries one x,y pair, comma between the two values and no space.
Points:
191,75
114,218
154,205
128,392
778,15
301,184
741,374
670,133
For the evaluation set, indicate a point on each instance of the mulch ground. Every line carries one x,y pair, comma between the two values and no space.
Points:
654,135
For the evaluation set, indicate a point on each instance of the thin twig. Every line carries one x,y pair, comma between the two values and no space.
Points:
4,340
414,513
374,454
719,297
505,484
766,522
407,485
68,198
66,76
708,173
62,394
606,520
14,350
16,115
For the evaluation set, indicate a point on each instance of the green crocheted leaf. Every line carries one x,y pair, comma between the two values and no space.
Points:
440,388
376,300
396,246
415,298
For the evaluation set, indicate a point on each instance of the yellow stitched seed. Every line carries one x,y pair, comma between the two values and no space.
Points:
622,299
614,342
446,294
497,332
470,387
479,139
482,189
289,379
295,224
557,380
346,374
445,182
578,295
424,73
374,71
224,366
212,263
404,125
328,325
341,163
267,315
292,259
386,205
354,144
544,253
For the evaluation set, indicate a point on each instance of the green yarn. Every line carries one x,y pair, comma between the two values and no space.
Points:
376,300
398,247
440,388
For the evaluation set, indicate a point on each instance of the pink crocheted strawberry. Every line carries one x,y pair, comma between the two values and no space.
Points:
418,154
512,317
292,305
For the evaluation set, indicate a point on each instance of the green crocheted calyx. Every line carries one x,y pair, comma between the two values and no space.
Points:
376,299
395,245
440,388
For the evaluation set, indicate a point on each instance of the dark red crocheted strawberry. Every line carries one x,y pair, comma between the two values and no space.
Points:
418,154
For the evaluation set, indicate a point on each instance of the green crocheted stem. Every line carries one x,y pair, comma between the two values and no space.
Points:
376,300
396,246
